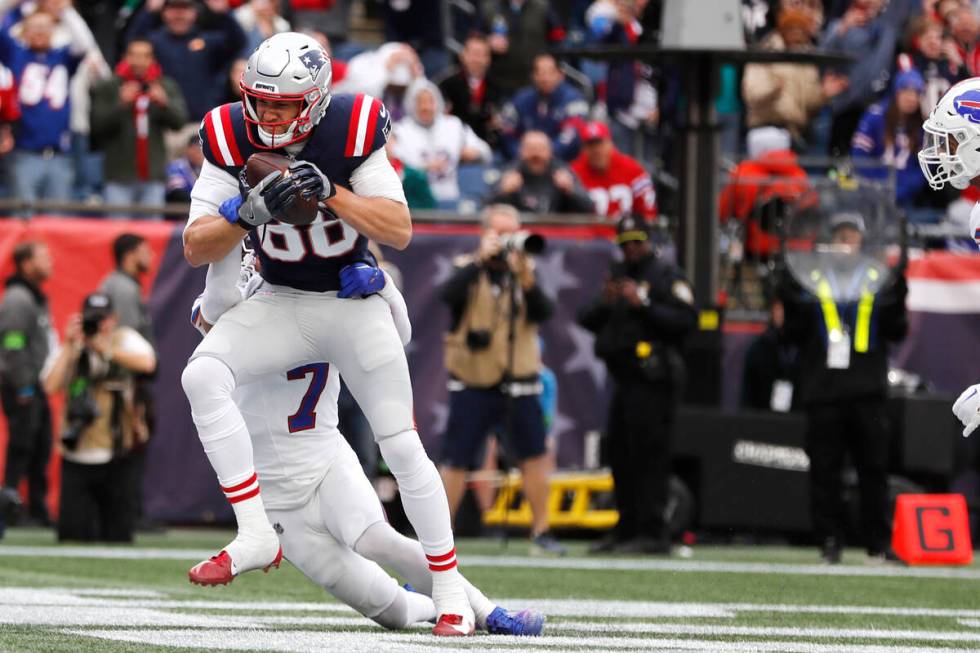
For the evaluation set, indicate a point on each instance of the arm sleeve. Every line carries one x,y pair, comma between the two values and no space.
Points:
644,196
455,291
16,323
399,309
670,313
593,316
231,39
221,286
539,307
82,39
375,177
212,187
470,139
106,111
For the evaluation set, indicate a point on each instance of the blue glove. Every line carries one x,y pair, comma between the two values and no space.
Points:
360,280
229,208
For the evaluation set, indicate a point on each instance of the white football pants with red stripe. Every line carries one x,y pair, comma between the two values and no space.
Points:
279,329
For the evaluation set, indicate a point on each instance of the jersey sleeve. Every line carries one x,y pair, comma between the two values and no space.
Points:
222,132
212,187
376,177
865,141
644,195
369,127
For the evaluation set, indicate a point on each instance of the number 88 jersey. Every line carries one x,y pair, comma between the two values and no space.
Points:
351,134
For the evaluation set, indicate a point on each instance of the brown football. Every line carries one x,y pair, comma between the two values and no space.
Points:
258,167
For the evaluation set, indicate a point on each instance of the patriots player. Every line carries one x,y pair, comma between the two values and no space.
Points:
329,520
337,143
951,155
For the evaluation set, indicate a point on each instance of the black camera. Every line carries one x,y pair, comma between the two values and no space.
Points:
80,412
478,339
96,308
523,241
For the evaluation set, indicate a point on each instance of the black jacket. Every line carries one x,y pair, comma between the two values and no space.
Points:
867,374
25,325
769,358
539,194
477,114
663,323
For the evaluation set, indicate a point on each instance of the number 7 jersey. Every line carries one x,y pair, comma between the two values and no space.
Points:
308,257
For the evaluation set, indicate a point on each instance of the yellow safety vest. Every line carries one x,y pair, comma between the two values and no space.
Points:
831,318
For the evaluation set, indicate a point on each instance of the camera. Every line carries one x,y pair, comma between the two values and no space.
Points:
477,340
79,414
96,308
523,241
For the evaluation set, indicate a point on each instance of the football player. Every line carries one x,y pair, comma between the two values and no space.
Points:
337,143
328,517
950,154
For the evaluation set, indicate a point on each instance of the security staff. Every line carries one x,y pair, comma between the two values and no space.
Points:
25,340
843,380
640,320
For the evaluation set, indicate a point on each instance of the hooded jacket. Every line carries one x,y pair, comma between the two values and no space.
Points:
418,145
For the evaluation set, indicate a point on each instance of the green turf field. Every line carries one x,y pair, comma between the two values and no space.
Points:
68,599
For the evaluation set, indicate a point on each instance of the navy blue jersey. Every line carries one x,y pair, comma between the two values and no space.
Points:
307,257
42,79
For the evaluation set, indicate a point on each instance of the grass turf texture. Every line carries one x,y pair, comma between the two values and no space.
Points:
582,629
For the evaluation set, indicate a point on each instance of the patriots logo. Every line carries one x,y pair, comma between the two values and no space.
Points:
968,106
314,60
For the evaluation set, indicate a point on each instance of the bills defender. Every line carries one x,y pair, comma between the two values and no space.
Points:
950,154
328,517
337,144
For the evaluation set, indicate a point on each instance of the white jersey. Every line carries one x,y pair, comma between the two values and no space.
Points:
292,419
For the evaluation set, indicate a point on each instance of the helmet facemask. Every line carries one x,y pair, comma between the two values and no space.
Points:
296,128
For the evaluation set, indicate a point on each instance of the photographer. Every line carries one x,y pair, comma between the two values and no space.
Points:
96,367
494,362
640,320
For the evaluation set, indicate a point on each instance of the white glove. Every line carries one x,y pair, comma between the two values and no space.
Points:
399,310
967,409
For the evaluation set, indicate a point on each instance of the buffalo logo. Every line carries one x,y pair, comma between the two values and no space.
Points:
314,60
968,106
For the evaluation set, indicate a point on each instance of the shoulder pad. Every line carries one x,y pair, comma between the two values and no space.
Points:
223,138
368,126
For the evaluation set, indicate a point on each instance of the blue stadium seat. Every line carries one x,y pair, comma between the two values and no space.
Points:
475,180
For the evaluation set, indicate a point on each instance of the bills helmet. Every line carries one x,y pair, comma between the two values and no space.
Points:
286,67
950,151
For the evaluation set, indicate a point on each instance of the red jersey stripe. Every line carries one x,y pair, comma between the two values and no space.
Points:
213,139
355,113
372,122
236,156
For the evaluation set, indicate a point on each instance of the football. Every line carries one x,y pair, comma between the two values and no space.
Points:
259,165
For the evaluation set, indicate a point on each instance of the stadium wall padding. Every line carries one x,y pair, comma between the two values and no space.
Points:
179,484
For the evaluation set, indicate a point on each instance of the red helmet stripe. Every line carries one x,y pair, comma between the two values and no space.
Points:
372,122
213,138
352,127
236,156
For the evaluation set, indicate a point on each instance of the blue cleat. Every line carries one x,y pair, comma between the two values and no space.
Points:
526,623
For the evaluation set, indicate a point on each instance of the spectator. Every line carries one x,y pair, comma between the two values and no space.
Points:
134,259
198,60
519,31
415,182
538,183
234,86
40,165
640,320
631,99
550,105
769,179
384,73
784,95
420,25
843,379
771,374
430,140
259,19
892,133
100,427
869,34
486,382
938,61
183,172
471,95
617,184
25,334
130,113
963,32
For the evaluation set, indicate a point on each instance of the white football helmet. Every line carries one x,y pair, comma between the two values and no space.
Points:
286,67
951,144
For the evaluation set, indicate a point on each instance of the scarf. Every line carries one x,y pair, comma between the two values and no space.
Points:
141,110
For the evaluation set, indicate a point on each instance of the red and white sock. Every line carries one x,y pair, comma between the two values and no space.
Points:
246,500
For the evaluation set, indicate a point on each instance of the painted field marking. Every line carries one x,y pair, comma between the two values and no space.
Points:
370,642
580,564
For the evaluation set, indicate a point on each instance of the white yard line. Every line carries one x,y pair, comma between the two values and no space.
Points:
580,564
371,642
